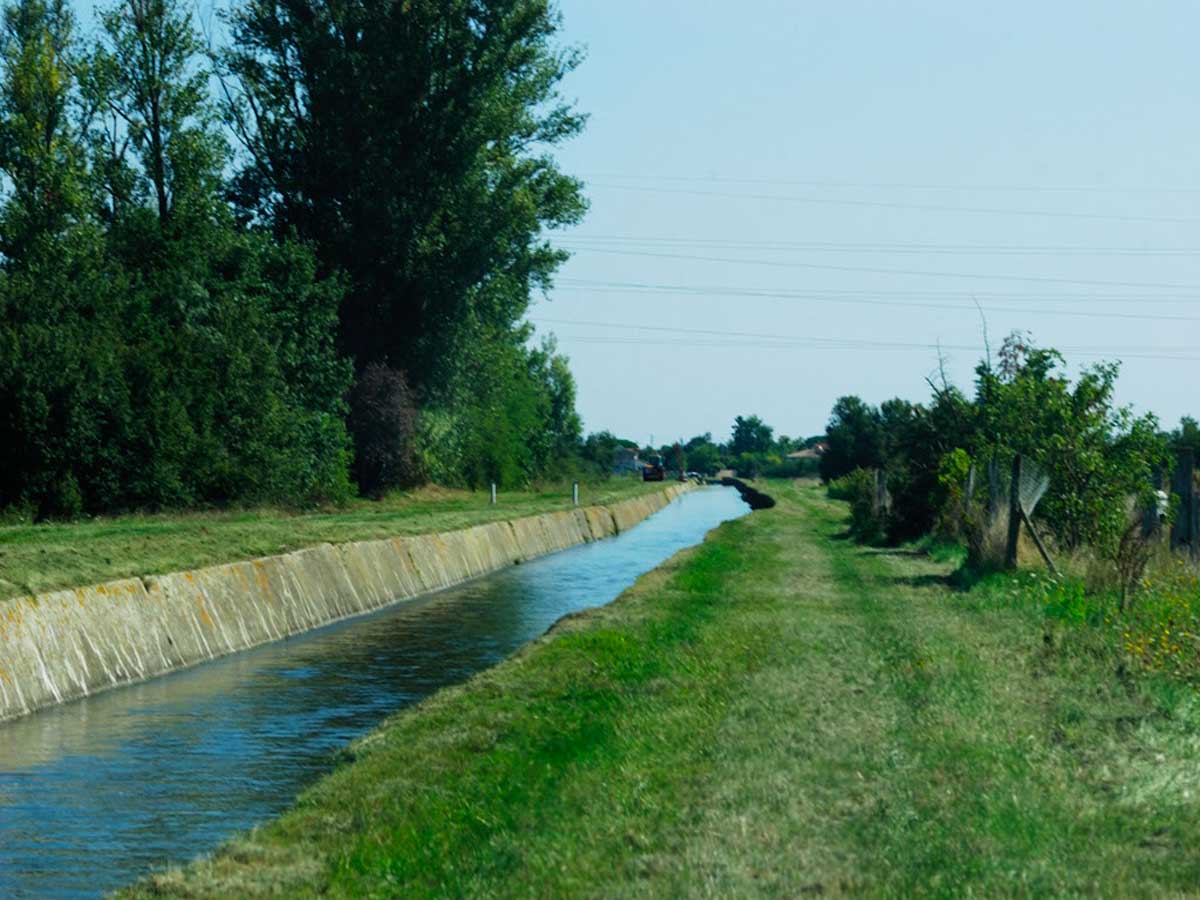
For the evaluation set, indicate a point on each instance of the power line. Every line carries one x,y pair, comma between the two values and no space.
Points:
776,345
876,270
866,301
883,247
833,183
858,343
989,296
885,204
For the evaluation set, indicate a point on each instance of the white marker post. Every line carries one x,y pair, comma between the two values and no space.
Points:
574,493
493,493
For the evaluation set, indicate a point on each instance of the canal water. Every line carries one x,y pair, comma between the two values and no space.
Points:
95,793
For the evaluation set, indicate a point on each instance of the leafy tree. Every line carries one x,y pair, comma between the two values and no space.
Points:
915,439
153,85
61,392
750,435
564,428
434,209
599,451
1095,453
407,142
41,156
704,458
855,439
749,465
160,347
1186,436
152,355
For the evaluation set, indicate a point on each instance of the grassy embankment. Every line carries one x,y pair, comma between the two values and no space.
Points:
37,558
778,711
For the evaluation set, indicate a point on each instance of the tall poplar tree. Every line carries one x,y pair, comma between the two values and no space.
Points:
409,140
40,154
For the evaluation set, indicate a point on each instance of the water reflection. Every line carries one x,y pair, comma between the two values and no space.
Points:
97,792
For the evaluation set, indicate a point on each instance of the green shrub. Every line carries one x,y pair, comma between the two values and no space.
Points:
858,489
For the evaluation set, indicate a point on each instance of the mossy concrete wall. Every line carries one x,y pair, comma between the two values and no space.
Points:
67,644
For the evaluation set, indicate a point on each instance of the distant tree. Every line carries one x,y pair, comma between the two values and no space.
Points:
748,465
599,451
785,445
1186,436
704,458
855,438
750,435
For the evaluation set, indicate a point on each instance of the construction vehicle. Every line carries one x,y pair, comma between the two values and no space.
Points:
654,470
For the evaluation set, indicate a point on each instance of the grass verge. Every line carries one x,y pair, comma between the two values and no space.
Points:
44,557
776,712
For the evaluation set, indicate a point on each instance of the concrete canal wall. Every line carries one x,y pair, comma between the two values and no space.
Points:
67,644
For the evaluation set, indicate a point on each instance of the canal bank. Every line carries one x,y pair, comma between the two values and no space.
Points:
95,794
67,644
778,712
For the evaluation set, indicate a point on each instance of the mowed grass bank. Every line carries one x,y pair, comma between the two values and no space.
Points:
43,557
775,712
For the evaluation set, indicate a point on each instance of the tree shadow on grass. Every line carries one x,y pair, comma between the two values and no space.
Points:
947,581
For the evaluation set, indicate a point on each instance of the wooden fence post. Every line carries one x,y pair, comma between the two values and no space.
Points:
1183,530
880,504
1194,530
1015,514
1150,521
993,473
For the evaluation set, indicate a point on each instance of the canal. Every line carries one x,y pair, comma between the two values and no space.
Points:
95,793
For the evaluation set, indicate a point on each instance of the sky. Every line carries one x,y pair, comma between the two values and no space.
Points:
795,201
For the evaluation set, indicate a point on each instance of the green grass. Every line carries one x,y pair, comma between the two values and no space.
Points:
38,558
777,712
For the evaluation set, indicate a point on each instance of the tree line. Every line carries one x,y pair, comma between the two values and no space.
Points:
284,265
1103,461
753,449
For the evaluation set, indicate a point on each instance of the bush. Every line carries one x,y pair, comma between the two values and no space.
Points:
383,423
791,468
858,489
751,465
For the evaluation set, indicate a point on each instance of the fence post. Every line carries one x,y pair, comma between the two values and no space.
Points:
493,493
993,473
880,504
1183,530
574,493
1014,515
1150,522
1194,531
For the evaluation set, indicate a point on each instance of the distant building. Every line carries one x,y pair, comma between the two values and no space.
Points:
626,462
816,451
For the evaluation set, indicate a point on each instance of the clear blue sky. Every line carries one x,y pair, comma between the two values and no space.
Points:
1007,143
